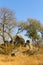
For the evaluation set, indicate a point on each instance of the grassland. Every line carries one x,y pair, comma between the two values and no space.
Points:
23,58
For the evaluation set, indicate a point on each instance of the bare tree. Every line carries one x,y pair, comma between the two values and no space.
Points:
7,22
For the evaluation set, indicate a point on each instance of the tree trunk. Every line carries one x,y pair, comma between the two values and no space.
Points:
3,34
9,35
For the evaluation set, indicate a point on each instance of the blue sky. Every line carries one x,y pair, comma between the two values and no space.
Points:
25,8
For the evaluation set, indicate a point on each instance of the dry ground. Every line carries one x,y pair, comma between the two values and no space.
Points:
22,59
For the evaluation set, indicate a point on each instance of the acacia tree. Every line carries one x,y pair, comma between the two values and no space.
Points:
7,22
32,26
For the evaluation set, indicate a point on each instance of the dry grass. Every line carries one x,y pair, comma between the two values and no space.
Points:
22,59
